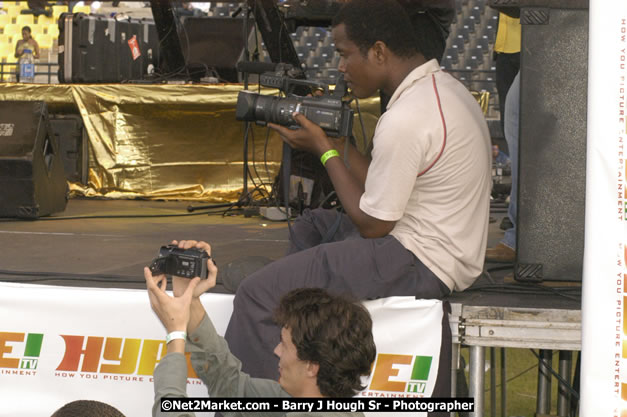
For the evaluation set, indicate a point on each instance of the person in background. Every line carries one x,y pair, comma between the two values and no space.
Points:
506,53
498,156
507,56
505,250
27,42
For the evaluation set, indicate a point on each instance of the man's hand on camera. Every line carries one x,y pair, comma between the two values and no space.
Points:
310,137
180,284
174,312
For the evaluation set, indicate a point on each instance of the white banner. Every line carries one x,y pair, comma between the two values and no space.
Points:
408,335
604,360
60,344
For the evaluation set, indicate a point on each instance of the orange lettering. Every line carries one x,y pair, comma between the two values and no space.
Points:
384,370
128,359
152,353
9,337
74,350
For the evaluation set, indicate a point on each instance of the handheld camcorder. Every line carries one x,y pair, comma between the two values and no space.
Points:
329,111
186,263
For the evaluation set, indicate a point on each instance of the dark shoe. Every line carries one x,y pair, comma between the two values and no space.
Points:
506,223
500,253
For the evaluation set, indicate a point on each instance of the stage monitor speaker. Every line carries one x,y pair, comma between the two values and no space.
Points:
215,43
32,180
71,136
552,154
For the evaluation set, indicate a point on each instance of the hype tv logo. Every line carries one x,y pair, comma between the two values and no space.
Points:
401,373
20,350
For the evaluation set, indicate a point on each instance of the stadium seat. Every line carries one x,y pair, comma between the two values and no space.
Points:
57,10
470,22
459,43
13,9
315,62
37,30
25,20
473,62
476,12
6,52
44,20
45,41
13,29
481,45
451,58
310,42
320,33
6,39
5,19
489,31
81,9
302,52
53,30
332,75
462,34
327,53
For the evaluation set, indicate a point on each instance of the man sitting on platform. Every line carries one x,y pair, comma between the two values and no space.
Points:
417,214
326,344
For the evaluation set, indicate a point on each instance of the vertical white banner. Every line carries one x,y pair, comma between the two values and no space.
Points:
604,365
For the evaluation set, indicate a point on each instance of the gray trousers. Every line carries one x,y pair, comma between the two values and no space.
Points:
349,264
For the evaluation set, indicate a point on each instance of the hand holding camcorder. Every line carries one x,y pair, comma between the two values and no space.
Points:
186,263
330,111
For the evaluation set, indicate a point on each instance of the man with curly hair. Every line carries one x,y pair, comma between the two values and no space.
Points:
326,345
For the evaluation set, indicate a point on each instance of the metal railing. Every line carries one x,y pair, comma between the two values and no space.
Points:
8,71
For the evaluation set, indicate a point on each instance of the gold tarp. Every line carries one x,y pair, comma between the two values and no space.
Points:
166,141
170,141
483,98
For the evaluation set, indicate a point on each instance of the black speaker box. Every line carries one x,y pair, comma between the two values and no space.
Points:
215,43
552,154
32,181
70,134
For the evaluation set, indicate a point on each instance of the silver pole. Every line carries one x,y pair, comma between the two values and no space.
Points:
477,379
543,404
503,383
493,381
563,395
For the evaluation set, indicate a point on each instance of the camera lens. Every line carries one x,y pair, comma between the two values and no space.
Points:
256,107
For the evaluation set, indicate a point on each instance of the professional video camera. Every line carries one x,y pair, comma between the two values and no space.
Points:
330,111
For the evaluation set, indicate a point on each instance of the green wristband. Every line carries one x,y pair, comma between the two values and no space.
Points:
328,155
